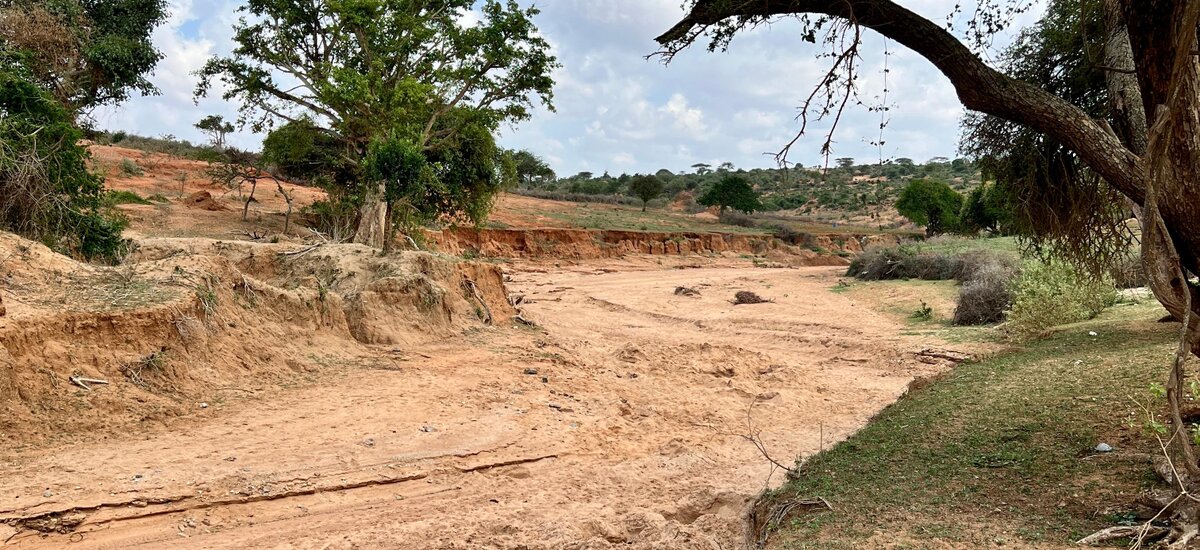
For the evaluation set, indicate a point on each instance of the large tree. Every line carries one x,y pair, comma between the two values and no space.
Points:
1146,149
86,53
932,204
412,71
732,192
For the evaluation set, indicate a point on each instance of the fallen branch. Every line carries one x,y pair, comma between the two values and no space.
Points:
952,356
1121,532
83,382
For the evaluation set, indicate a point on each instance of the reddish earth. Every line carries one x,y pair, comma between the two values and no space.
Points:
293,395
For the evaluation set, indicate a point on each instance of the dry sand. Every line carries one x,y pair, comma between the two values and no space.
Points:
623,423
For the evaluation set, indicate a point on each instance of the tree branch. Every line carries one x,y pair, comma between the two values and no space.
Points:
979,87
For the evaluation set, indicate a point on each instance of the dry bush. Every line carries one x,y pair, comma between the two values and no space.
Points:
747,297
986,295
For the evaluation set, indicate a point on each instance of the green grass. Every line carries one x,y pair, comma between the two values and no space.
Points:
951,244
115,197
995,450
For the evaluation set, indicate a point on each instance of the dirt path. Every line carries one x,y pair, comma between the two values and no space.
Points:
622,425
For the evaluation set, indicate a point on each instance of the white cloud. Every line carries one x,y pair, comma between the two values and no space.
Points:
616,109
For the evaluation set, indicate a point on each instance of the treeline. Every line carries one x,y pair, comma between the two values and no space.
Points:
845,185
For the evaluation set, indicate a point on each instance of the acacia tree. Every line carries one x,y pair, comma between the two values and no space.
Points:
1147,148
216,128
408,70
646,188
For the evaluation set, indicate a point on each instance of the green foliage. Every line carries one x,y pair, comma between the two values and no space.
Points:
732,192
1052,293
216,128
986,208
932,204
302,151
86,53
646,188
374,71
115,197
47,192
532,171
1057,203
130,168
400,167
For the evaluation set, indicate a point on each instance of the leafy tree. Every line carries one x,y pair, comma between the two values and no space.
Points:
646,188
406,177
86,53
301,150
985,209
46,190
382,71
532,169
732,192
702,169
215,127
932,204
845,162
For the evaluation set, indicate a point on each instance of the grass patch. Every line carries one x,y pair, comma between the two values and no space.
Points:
115,197
994,451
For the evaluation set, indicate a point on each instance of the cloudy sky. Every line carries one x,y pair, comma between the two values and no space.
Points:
618,111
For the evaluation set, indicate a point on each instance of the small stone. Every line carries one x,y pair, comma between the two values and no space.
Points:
531,371
47,493
428,429
1104,448
1093,333
204,405
368,442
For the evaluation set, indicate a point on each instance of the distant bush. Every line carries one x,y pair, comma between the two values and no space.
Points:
113,198
130,169
733,217
1048,294
166,144
579,197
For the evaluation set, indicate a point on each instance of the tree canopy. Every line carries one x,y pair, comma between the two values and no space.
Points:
368,72
734,192
86,53
646,187
932,204
1144,148
216,128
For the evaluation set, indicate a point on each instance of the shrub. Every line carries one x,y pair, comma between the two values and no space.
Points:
130,169
986,294
46,190
1052,293
731,217
114,197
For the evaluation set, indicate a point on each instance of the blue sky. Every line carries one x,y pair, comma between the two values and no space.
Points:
619,112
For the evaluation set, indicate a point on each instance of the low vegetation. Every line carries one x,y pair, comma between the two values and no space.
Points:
1004,453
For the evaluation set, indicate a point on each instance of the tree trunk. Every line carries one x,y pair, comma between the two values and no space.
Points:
371,223
246,207
388,228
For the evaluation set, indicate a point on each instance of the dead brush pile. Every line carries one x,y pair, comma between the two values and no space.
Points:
747,297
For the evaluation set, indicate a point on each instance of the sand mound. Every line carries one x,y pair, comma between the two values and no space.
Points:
204,201
187,316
